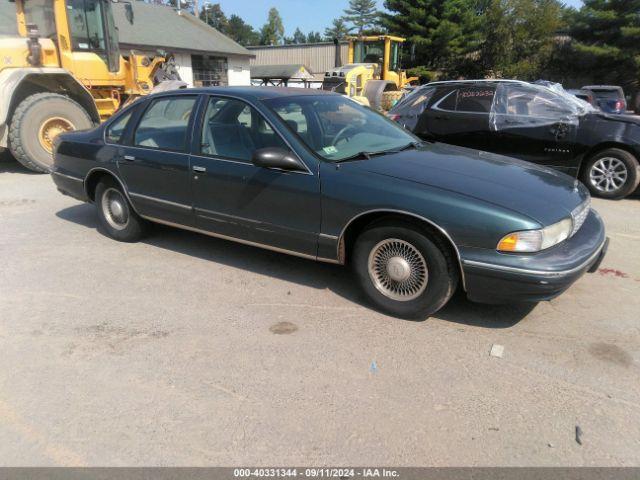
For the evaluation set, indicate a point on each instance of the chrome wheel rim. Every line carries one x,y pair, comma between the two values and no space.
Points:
115,209
608,174
398,270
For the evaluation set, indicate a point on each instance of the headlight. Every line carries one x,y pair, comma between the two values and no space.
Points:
536,240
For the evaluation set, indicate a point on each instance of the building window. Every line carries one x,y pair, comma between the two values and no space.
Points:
209,71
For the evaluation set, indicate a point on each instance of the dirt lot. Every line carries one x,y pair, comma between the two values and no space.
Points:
187,350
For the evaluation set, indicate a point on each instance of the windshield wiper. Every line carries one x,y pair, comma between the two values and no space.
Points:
368,155
357,156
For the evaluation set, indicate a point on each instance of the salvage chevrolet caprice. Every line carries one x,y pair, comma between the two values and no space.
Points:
318,176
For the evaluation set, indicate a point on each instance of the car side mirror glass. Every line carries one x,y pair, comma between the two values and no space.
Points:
279,158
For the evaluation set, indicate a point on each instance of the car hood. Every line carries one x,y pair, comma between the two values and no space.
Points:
539,193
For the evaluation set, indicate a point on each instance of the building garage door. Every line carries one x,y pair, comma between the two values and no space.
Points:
209,71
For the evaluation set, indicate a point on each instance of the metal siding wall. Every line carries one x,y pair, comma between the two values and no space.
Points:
318,58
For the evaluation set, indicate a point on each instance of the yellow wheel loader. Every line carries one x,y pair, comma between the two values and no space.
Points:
373,75
61,70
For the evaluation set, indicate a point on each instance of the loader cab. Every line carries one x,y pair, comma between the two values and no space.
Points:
93,29
383,50
78,27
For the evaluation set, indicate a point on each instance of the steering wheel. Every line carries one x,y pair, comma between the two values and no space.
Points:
341,133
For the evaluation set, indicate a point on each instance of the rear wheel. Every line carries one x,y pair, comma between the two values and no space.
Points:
37,121
612,173
404,271
116,214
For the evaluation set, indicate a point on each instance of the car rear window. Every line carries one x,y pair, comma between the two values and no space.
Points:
607,94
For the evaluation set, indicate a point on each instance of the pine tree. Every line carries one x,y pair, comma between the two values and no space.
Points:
363,14
214,16
606,43
242,32
520,37
299,37
314,37
444,33
272,33
337,30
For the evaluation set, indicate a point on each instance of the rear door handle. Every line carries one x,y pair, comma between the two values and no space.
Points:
129,158
199,169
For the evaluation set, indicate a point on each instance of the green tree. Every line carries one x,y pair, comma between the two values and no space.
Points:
299,37
242,32
606,41
272,33
314,37
337,30
362,14
520,37
445,34
213,15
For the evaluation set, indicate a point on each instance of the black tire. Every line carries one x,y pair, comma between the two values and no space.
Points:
624,161
131,230
30,117
442,271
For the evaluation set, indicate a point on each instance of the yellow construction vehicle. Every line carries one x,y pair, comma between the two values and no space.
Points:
61,70
373,75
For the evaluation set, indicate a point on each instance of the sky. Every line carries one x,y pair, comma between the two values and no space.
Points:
307,14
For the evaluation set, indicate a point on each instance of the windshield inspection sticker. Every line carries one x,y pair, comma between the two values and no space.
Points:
330,150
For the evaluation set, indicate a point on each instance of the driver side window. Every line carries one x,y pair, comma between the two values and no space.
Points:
232,129
85,22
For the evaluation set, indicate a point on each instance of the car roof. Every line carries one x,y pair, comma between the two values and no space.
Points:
602,87
255,93
483,80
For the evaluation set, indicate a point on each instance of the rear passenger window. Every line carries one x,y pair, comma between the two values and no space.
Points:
164,124
475,99
469,99
115,131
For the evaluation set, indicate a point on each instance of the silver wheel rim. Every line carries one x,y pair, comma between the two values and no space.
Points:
398,270
115,209
608,174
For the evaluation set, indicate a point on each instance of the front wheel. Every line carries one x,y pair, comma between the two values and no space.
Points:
37,121
116,214
612,173
404,271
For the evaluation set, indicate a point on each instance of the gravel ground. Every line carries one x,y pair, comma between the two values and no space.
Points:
187,350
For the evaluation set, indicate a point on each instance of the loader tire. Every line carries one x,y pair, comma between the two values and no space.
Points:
36,122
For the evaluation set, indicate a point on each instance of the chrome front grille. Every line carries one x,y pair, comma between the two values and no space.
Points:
579,215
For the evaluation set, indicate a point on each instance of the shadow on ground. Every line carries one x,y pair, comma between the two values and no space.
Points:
316,275
9,165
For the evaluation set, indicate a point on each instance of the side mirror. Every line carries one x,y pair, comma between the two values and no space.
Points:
279,158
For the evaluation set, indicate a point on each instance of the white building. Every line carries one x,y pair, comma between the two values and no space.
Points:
204,56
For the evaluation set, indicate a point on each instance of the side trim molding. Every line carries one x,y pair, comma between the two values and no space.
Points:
238,240
70,177
340,255
159,200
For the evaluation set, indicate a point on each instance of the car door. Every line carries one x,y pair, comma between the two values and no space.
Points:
459,117
534,124
234,198
154,162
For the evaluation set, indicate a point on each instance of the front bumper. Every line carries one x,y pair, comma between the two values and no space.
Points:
492,277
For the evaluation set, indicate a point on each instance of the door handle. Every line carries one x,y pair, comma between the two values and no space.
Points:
199,169
129,158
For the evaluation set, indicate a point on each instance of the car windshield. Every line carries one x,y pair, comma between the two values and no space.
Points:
337,128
